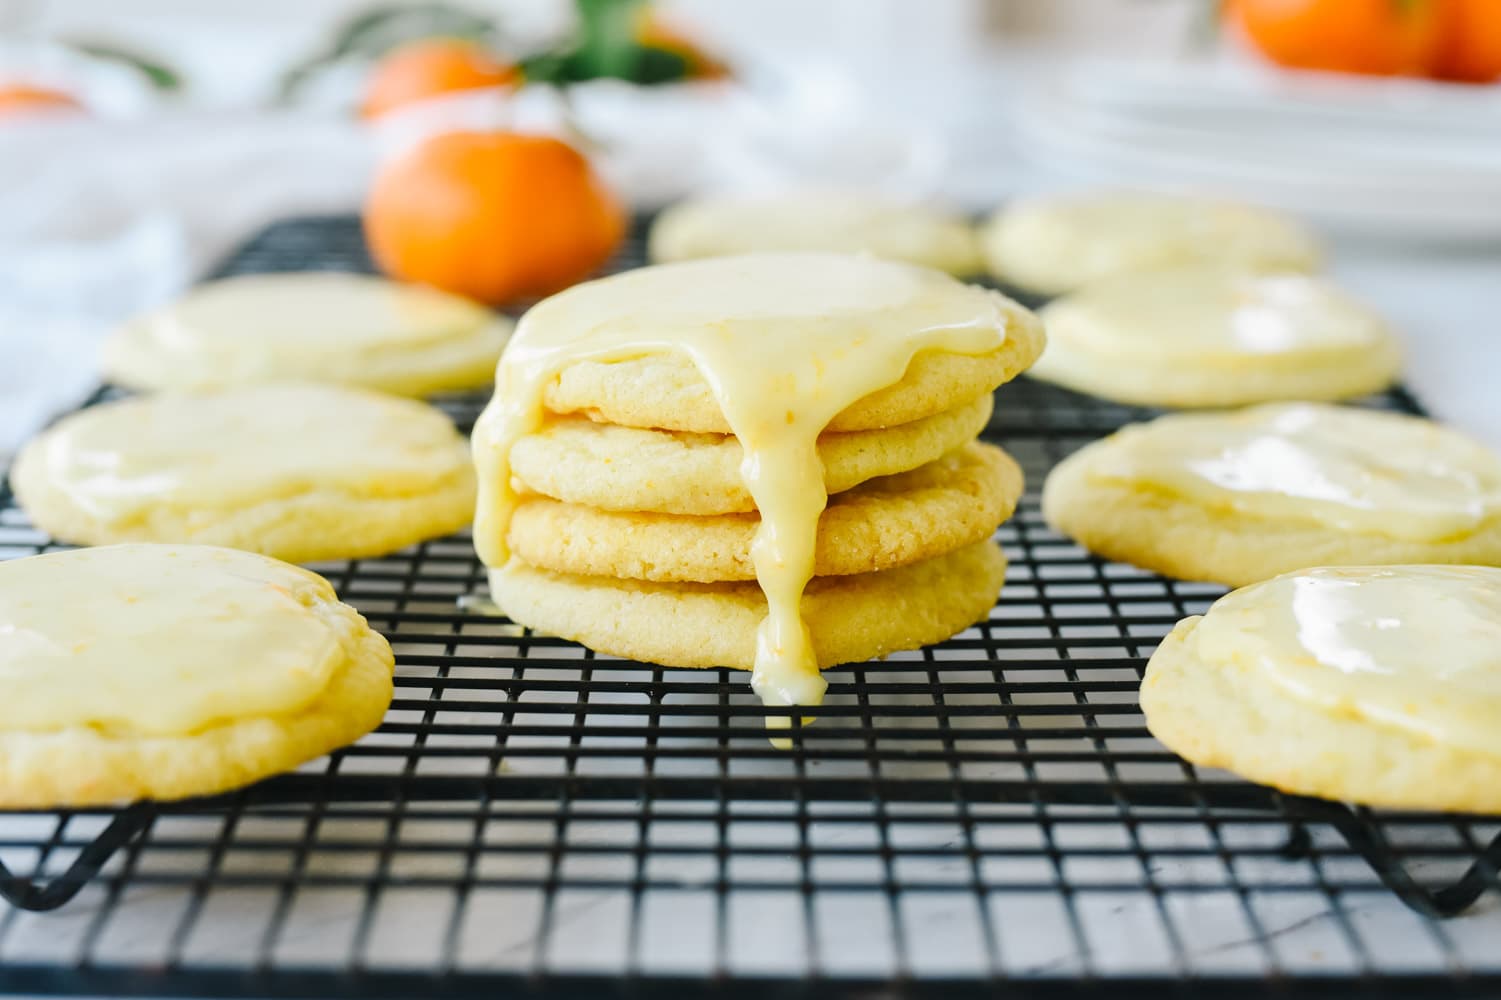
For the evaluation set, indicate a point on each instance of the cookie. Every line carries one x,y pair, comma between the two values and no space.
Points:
1055,244
674,472
835,221
1243,496
780,350
1374,685
850,618
1207,336
754,298
879,525
167,671
302,472
317,326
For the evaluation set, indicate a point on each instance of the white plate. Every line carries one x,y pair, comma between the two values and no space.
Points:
1390,158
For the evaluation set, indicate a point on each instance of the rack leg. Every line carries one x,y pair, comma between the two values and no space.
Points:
1299,843
1366,839
28,894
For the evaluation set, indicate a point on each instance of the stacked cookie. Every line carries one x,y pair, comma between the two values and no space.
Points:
639,468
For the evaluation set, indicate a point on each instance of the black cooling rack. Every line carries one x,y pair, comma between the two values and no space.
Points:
538,820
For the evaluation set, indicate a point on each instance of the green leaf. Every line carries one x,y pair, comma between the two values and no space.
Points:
378,31
160,75
607,39
547,67
661,66
375,32
1204,26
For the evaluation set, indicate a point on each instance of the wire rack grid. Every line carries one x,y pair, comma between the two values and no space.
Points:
535,818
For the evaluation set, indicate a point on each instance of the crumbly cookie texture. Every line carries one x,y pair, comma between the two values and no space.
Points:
881,524
667,391
850,618
674,472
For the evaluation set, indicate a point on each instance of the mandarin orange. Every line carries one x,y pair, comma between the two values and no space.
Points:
22,98
429,68
1379,37
495,216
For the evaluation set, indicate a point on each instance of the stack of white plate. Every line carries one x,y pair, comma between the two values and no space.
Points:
1404,159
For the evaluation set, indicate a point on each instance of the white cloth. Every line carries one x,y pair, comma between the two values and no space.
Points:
102,219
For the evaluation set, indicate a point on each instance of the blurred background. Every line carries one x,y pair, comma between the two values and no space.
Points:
141,141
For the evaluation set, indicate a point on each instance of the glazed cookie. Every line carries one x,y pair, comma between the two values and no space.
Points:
878,525
318,326
1374,685
850,618
833,221
168,671
828,370
1207,336
298,471
1243,496
1051,245
675,472
818,292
